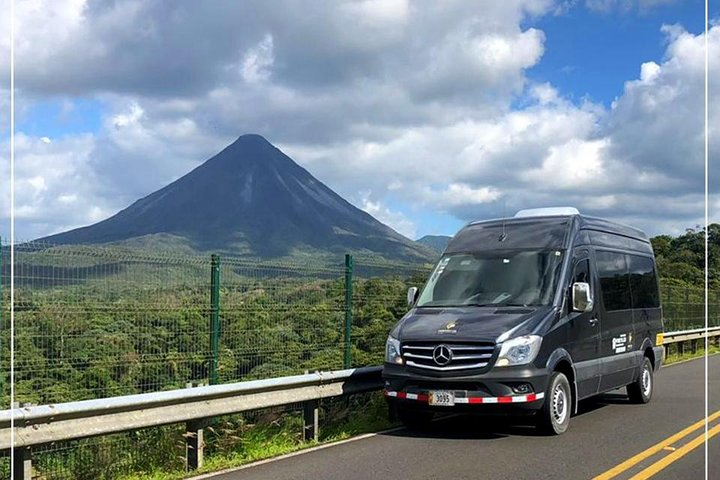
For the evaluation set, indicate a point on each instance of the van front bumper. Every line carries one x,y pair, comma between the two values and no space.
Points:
501,390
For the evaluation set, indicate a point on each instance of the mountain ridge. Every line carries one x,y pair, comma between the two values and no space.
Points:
249,199
437,243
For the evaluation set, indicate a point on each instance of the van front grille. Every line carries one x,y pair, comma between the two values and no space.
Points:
447,356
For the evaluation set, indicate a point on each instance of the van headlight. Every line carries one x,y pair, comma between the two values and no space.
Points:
519,351
392,351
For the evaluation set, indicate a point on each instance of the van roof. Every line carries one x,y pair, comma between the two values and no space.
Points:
581,222
545,232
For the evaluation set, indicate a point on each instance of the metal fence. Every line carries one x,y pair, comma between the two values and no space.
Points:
93,322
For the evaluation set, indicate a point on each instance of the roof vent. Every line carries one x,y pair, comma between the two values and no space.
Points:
546,212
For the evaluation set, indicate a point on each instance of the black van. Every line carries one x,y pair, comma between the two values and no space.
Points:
529,315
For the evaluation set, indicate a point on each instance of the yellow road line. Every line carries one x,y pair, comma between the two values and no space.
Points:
631,462
676,455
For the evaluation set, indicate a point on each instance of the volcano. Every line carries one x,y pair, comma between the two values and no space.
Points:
250,199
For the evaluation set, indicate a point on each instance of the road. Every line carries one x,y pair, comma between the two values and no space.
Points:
606,433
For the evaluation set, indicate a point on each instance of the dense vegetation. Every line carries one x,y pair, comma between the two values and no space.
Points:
681,260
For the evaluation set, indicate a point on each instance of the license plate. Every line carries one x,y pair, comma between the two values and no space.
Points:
441,398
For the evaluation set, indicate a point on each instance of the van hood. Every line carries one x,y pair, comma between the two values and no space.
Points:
453,324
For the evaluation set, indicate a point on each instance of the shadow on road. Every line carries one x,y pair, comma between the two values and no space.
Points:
471,427
478,427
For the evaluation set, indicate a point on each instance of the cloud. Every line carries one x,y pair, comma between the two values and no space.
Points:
257,61
625,6
657,125
396,220
428,103
53,189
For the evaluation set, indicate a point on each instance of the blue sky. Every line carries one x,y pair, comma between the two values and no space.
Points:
593,53
425,115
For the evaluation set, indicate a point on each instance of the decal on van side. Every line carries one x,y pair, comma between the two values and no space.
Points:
619,344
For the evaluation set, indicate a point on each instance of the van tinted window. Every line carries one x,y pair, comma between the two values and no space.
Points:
605,239
526,234
614,280
643,282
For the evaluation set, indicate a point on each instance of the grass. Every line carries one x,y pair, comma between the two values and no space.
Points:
675,356
235,442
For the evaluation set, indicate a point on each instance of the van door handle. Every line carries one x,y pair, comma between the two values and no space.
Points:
594,321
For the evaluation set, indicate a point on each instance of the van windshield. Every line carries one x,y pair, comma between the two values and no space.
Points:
508,278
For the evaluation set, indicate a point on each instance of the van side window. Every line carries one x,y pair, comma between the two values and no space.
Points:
643,282
614,280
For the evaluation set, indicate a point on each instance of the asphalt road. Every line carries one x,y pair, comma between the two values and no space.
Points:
606,433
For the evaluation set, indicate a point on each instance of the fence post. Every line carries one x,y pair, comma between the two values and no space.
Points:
311,419
22,463
214,316
347,358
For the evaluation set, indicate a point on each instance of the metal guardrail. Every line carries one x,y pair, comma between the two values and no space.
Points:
685,335
37,425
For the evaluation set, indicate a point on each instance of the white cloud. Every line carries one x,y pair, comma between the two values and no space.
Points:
54,189
572,165
396,220
459,194
257,61
417,99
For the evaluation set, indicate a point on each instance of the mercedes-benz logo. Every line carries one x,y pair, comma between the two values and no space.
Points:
442,355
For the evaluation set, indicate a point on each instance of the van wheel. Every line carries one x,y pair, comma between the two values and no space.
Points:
641,390
554,417
414,420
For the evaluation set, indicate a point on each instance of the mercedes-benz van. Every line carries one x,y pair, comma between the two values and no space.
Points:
529,314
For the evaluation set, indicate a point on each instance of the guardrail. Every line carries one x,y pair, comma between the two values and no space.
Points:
43,424
37,425
693,336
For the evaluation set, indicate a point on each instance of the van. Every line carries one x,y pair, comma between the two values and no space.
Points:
529,315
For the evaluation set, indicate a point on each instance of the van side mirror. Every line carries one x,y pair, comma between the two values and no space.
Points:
412,296
581,297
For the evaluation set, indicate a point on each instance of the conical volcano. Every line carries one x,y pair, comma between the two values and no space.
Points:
249,199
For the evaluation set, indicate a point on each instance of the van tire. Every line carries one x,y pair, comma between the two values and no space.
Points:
641,390
414,419
554,416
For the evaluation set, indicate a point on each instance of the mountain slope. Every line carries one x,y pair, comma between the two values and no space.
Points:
248,199
435,242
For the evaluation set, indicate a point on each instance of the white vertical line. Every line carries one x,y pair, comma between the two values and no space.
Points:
707,225
12,232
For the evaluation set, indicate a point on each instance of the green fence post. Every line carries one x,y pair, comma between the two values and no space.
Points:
347,359
214,316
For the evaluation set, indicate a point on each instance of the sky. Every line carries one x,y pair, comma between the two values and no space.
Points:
425,114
